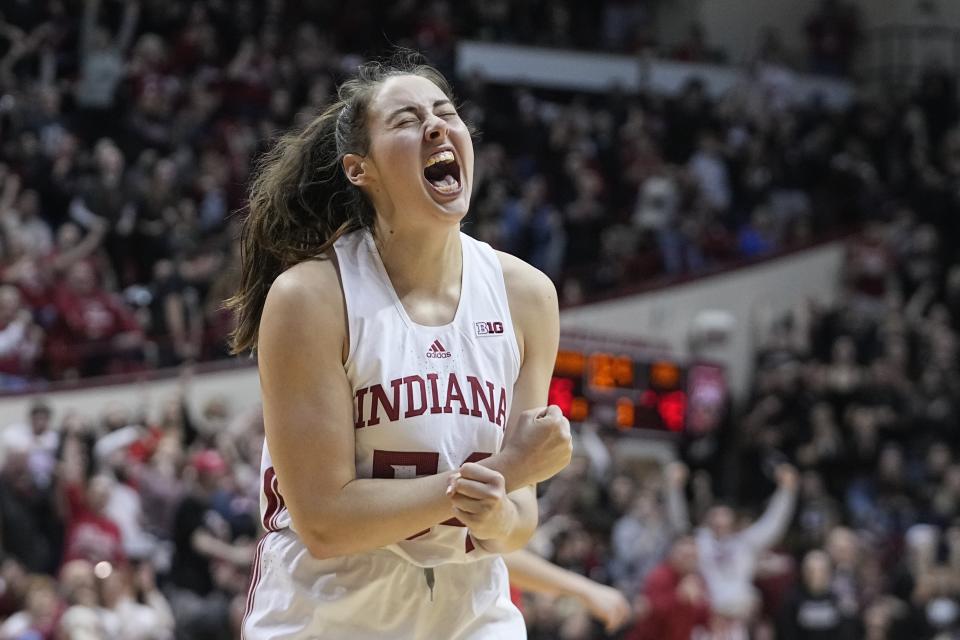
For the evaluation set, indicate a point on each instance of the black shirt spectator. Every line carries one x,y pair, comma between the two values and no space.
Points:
30,531
191,569
813,612
201,536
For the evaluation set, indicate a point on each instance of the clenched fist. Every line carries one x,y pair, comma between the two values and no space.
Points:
538,445
479,499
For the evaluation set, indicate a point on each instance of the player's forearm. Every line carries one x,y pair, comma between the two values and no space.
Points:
526,515
510,468
530,572
367,514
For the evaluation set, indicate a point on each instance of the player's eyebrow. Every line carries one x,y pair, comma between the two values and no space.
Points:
415,110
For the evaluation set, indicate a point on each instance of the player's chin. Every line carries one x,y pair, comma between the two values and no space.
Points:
449,205
453,210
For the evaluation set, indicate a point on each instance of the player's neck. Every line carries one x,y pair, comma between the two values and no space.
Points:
422,261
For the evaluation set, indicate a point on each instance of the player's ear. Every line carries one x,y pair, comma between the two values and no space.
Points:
356,168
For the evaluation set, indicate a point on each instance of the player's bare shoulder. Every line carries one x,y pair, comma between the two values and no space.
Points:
527,286
533,300
304,301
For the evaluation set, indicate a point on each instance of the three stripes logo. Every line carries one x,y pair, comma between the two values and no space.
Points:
436,350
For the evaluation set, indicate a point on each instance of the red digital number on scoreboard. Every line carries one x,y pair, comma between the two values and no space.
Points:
561,393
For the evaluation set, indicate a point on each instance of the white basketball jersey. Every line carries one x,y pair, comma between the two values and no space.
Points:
426,399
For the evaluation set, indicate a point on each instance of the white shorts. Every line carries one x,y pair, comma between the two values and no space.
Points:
374,595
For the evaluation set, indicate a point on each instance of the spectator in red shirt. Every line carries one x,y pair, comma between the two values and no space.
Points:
96,331
90,534
676,597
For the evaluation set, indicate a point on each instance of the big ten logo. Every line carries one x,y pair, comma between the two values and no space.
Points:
489,328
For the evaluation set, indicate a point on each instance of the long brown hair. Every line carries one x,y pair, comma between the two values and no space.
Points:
300,200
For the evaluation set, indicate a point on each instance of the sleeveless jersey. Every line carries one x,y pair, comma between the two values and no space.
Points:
426,399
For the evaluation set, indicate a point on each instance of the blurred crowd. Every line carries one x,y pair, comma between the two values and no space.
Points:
124,526
831,31
128,131
827,509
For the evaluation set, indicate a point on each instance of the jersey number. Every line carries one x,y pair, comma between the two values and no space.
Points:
413,464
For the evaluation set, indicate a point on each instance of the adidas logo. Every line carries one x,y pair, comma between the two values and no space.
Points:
437,351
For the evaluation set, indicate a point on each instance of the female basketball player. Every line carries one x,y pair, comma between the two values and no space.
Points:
404,367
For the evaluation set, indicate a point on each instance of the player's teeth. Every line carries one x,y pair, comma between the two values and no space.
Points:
443,156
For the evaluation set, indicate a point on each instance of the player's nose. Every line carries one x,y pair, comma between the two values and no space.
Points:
436,129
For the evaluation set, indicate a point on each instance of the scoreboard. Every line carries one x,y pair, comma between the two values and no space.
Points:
630,386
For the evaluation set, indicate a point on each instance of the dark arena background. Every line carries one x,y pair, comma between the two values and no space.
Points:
750,211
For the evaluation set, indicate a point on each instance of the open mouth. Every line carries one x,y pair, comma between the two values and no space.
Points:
442,172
